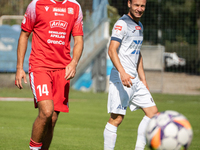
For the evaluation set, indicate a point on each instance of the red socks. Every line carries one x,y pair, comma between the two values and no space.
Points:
34,145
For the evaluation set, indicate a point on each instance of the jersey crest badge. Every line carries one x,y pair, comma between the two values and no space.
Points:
70,10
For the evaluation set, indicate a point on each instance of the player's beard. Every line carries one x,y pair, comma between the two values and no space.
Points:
135,17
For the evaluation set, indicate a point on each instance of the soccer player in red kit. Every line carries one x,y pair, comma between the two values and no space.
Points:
51,67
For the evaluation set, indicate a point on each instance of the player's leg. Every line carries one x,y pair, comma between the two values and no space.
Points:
116,119
40,126
46,141
110,131
150,111
141,140
144,100
117,105
60,90
41,88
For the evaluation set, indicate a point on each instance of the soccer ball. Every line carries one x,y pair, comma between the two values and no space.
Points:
169,130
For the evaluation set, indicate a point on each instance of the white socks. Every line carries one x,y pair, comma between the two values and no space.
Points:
110,136
138,148
141,140
34,148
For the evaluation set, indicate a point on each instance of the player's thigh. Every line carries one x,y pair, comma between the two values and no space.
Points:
118,98
141,98
46,108
150,111
41,85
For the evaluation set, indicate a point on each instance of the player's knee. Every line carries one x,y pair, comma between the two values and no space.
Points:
151,111
46,114
116,119
54,118
46,109
156,111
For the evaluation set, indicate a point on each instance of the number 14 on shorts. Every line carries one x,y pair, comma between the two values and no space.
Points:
43,89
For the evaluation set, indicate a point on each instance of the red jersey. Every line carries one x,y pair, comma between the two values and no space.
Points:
52,24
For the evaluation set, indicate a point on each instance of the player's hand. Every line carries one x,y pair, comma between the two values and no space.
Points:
126,79
70,70
20,74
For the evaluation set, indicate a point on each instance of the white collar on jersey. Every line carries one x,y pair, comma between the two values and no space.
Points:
62,2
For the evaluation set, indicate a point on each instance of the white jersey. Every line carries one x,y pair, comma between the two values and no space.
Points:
130,35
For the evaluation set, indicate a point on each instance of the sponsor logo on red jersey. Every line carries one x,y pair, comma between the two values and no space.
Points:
70,10
137,27
118,28
63,10
60,42
58,23
58,14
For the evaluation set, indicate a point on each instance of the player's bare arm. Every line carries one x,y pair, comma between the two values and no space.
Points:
141,72
21,51
112,52
77,52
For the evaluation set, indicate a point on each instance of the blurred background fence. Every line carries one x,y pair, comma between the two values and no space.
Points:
172,24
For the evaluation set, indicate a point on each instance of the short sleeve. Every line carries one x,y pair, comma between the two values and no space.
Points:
119,30
78,25
29,17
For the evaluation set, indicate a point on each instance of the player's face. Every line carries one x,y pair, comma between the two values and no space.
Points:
136,9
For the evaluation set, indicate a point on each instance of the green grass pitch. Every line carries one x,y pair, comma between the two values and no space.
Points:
82,128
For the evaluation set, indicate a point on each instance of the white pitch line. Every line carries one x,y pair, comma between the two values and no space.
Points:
15,99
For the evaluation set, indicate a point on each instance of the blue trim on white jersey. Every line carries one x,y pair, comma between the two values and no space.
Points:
127,16
116,39
132,19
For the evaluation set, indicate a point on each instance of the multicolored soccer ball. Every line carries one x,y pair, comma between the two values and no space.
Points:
169,130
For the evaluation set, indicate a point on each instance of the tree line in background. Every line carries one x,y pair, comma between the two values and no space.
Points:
172,23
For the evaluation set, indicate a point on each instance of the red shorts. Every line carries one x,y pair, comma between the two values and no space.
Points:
50,85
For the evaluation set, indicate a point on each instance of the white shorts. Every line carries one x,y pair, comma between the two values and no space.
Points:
120,97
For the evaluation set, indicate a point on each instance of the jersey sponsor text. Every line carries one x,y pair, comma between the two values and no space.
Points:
137,27
56,34
121,107
118,28
63,10
60,42
136,45
58,23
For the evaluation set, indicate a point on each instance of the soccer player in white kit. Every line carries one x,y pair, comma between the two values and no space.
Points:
128,86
